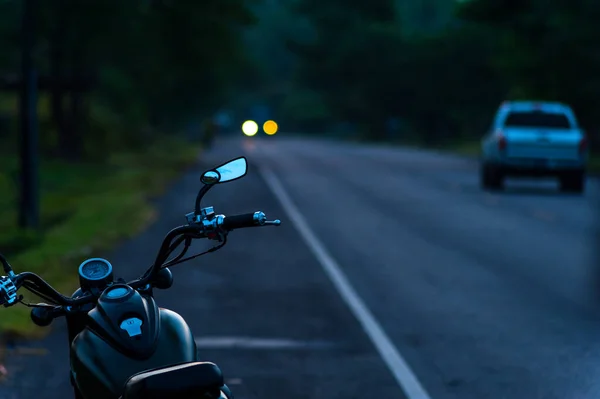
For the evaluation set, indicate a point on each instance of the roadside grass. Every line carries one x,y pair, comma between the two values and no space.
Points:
468,148
85,210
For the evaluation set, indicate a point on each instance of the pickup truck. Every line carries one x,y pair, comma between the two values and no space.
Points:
534,139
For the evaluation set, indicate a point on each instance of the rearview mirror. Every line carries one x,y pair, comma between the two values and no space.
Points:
232,170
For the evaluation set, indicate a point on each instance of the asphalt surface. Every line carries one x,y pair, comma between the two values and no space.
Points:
484,295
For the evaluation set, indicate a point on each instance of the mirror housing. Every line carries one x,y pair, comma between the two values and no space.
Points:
210,177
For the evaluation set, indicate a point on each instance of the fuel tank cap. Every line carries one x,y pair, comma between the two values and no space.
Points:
117,293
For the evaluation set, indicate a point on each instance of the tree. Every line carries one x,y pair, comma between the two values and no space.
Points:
134,62
547,48
350,55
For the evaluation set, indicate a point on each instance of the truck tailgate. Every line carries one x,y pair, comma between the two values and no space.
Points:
542,143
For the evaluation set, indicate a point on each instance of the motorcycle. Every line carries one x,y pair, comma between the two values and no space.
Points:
122,345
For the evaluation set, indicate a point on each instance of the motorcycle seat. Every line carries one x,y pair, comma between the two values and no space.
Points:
186,380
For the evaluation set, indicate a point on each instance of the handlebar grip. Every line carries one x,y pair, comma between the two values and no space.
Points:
241,221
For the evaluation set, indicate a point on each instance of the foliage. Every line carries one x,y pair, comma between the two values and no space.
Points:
118,80
144,62
547,49
443,66
81,219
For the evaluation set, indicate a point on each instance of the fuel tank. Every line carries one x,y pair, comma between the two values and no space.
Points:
126,333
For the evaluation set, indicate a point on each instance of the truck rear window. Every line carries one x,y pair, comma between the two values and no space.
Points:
537,119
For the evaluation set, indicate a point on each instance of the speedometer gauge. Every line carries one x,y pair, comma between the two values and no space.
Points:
95,273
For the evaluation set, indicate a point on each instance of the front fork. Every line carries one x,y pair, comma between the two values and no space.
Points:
76,392
75,324
225,389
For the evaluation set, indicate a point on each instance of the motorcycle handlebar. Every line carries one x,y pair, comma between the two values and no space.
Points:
240,221
247,220
32,280
36,284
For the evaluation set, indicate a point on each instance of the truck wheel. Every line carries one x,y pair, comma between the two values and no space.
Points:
573,182
491,178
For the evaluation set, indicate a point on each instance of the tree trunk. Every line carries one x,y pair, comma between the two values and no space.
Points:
71,141
72,144
57,66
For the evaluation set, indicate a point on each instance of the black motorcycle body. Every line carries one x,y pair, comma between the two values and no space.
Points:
131,332
122,344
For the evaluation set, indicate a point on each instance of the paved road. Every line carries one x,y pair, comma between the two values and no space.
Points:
484,295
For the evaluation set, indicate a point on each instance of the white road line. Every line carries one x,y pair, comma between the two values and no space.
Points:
396,364
256,343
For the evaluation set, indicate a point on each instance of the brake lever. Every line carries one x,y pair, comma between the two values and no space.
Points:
275,222
261,219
